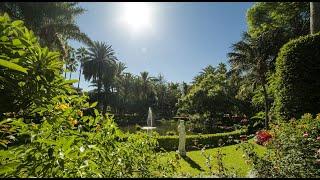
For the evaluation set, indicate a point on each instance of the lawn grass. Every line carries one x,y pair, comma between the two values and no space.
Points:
195,163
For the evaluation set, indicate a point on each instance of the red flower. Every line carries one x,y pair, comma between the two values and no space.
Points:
305,134
263,137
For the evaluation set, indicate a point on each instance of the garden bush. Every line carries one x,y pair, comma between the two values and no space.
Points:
297,77
293,151
171,143
29,73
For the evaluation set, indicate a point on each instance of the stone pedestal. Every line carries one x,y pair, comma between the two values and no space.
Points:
182,138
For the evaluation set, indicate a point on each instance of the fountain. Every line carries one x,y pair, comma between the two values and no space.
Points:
150,121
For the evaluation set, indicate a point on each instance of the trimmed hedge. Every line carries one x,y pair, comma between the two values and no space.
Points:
297,78
171,143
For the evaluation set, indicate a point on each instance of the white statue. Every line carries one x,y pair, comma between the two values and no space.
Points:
182,138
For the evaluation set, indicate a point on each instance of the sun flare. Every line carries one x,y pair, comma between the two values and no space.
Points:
137,15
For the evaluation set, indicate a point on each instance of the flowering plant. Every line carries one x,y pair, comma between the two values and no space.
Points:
262,137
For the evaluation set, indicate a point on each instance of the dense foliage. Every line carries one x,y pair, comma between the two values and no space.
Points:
53,22
210,97
40,79
291,17
293,151
297,84
69,144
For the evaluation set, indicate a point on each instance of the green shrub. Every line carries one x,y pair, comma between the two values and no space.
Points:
297,77
67,144
293,151
171,133
171,143
38,80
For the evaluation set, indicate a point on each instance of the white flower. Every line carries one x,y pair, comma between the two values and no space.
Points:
61,155
91,146
82,149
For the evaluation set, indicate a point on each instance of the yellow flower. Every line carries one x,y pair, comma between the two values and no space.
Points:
80,113
62,106
73,121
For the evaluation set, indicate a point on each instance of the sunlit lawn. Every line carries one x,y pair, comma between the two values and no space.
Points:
195,163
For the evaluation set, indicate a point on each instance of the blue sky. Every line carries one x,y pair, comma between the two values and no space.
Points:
183,38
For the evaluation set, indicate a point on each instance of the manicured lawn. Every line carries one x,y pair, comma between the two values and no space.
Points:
195,163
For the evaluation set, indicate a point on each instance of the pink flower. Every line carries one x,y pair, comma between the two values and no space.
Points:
305,134
318,138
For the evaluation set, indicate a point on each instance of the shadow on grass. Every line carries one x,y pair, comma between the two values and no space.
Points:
192,163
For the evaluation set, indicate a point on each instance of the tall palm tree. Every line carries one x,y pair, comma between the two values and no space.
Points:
120,67
67,56
145,83
81,56
100,66
72,63
314,17
251,58
49,20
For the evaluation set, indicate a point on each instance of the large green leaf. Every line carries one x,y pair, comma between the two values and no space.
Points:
12,66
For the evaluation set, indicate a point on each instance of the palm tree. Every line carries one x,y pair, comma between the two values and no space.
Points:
120,67
251,58
145,83
67,56
100,66
49,20
72,63
81,56
207,70
314,17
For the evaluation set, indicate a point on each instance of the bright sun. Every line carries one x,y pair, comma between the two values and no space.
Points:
137,15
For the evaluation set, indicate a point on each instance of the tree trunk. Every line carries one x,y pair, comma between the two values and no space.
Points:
79,78
266,121
70,76
100,96
314,17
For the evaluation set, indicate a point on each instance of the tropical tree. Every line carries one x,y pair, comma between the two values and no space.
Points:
251,58
72,62
81,55
290,17
49,20
100,67
120,67
209,97
207,70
